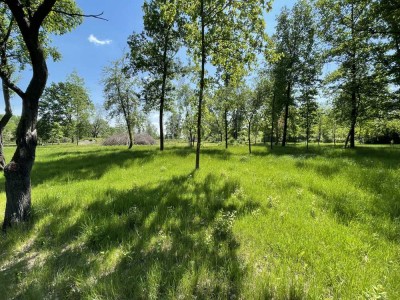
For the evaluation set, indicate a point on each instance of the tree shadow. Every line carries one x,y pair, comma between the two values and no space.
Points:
77,166
170,240
218,153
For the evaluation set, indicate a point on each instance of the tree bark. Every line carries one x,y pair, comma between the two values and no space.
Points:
286,117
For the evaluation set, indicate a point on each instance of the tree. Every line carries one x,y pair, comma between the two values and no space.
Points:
294,39
30,17
350,46
67,104
214,29
121,98
99,127
186,101
174,126
153,52
251,107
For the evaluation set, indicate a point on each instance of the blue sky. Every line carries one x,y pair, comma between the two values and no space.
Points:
95,43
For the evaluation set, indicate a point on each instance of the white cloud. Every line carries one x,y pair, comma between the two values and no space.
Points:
96,41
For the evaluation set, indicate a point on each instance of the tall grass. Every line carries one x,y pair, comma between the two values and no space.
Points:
288,224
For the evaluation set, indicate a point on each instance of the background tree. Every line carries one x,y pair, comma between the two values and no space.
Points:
350,46
121,97
293,38
214,29
152,52
68,105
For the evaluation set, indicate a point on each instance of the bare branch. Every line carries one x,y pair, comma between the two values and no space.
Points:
97,16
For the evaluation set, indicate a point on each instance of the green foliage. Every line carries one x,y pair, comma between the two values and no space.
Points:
66,104
152,52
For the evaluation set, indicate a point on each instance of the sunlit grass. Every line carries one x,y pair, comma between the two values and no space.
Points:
288,224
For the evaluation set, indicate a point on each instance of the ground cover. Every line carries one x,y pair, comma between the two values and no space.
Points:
284,224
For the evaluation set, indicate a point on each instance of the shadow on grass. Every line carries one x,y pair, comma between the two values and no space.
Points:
171,240
76,166
218,153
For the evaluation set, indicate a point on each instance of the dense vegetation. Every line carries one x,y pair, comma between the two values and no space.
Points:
287,224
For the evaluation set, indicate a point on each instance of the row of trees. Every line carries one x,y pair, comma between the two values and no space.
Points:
358,40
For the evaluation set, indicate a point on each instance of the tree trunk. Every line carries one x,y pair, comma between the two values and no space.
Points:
249,136
353,119
272,121
286,117
17,172
162,100
226,128
202,82
130,136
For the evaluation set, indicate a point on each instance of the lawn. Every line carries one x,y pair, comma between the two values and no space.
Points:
108,223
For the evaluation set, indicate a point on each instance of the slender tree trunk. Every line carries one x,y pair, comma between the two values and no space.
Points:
202,82
286,117
164,84
334,133
272,121
353,119
353,92
249,136
130,135
3,122
307,121
226,128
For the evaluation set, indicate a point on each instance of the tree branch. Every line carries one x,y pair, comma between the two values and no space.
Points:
41,13
97,16
11,85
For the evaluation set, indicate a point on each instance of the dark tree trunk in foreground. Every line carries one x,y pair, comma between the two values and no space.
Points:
18,171
286,117
3,122
201,92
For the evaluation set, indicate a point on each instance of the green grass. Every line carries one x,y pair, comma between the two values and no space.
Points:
115,224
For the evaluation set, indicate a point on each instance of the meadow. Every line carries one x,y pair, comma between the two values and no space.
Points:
108,223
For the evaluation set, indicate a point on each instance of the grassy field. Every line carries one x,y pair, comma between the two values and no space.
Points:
115,224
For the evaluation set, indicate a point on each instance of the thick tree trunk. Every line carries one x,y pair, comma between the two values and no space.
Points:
202,83
17,172
286,117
